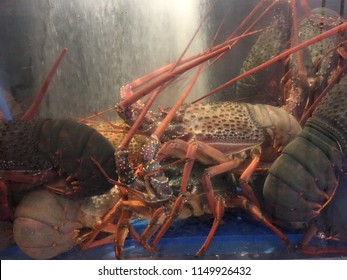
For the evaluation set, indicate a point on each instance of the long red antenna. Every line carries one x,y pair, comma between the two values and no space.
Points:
40,94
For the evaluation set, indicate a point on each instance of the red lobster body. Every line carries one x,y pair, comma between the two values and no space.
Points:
213,135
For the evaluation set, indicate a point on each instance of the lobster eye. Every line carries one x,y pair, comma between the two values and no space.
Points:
312,82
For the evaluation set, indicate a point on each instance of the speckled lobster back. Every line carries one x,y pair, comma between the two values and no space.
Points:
331,114
19,147
64,146
227,122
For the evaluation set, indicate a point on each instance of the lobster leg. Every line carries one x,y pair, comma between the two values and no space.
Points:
170,218
118,233
202,152
56,184
246,175
213,171
5,207
109,228
122,231
303,246
155,223
255,212
219,211
193,151
122,209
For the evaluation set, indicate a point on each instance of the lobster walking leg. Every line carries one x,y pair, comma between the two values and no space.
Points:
155,223
256,213
203,151
5,209
170,219
246,175
194,150
122,213
219,212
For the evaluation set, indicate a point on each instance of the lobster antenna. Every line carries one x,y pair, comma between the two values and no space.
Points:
287,52
40,94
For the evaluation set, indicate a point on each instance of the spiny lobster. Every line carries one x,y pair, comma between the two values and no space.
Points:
149,191
57,154
193,132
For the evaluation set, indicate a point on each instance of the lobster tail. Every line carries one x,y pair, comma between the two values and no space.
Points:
313,161
73,147
302,180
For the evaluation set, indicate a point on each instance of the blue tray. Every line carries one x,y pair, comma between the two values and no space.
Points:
238,237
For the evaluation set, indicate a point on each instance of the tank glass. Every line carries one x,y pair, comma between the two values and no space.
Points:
173,124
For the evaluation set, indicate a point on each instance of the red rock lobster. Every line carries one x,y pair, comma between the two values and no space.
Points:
149,189
210,133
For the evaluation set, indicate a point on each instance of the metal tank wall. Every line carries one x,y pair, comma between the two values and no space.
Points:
110,43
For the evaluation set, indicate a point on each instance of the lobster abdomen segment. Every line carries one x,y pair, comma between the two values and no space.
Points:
66,147
300,183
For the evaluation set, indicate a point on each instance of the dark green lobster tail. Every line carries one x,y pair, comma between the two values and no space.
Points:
65,147
304,178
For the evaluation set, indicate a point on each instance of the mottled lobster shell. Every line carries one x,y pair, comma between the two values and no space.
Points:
258,87
19,147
